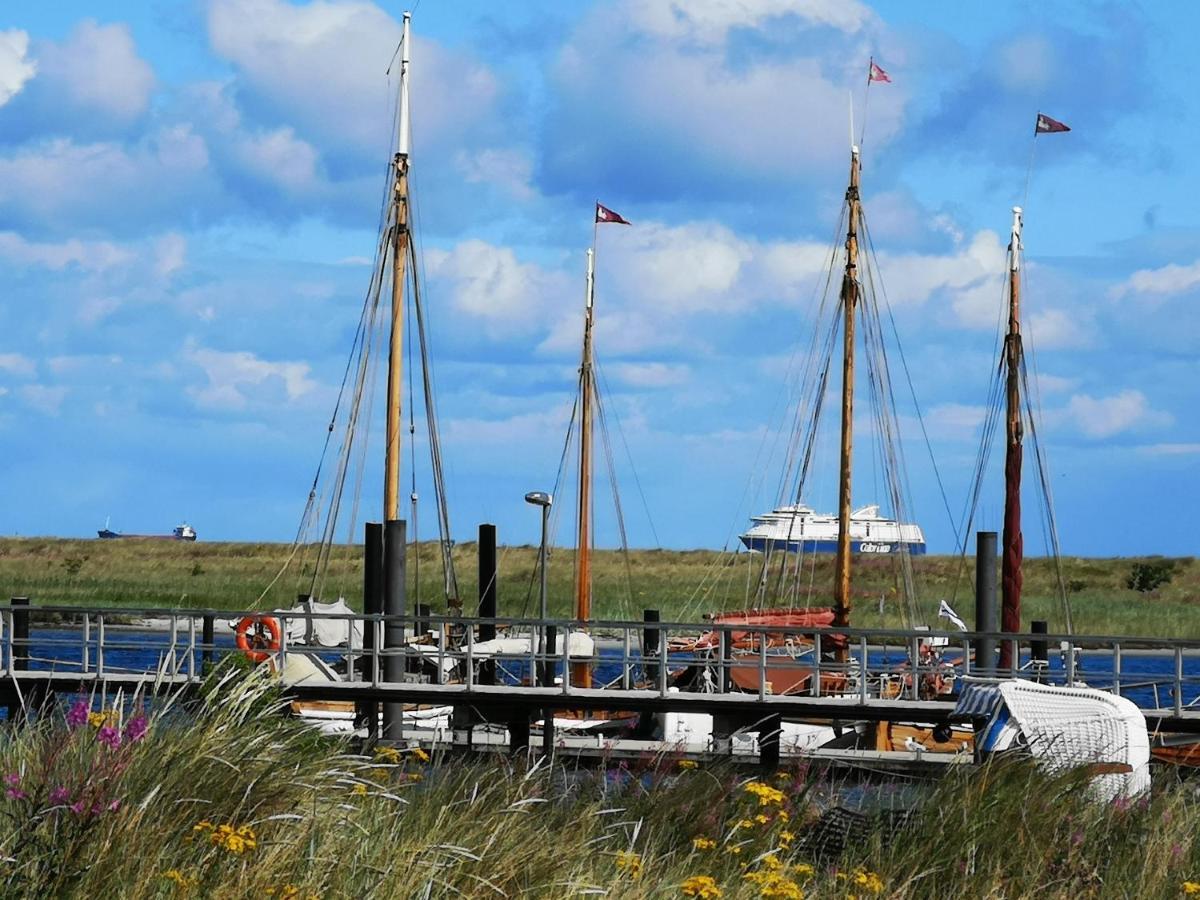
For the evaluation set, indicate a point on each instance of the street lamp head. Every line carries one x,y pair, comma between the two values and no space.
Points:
539,498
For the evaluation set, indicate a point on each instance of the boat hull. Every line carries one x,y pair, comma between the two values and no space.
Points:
762,544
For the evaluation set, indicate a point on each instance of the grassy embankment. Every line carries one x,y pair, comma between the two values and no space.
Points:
682,584
231,801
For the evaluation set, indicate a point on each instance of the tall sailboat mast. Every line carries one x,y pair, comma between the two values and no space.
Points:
581,674
1010,577
395,387
849,302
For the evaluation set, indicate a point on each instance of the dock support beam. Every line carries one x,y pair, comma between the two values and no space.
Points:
207,640
985,600
768,741
650,644
395,545
368,710
488,574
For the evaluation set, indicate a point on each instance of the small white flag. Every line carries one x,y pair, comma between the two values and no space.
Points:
946,612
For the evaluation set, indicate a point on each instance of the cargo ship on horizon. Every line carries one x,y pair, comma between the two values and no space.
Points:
184,532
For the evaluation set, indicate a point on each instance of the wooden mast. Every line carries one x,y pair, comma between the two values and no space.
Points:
849,300
395,386
1013,543
581,673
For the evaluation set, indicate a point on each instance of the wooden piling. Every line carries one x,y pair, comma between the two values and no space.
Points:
488,575
395,546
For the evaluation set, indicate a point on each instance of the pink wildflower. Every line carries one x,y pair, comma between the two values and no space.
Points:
136,729
109,736
78,807
15,794
59,796
114,806
77,716
12,779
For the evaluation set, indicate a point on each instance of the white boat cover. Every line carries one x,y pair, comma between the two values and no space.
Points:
1067,727
580,644
321,632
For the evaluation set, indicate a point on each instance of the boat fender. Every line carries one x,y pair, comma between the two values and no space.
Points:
258,637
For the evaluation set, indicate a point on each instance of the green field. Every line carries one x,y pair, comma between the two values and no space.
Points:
681,584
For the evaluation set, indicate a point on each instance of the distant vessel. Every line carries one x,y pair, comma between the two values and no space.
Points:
798,528
184,532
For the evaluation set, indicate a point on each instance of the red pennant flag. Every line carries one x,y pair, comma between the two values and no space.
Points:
604,214
877,74
1047,125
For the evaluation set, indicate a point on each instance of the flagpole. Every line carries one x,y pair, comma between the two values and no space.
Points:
866,106
1029,171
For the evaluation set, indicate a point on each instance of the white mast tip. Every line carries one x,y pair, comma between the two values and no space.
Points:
1017,210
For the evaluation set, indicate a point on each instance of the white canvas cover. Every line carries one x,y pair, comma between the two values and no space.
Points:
331,632
1069,727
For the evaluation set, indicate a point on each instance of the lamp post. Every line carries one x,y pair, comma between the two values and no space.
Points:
544,500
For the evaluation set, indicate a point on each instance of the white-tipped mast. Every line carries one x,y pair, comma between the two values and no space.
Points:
591,277
405,44
1014,245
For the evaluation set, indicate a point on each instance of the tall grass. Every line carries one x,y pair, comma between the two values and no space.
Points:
681,584
224,798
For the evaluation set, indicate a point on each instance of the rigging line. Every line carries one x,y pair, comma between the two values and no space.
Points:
913,392
606,442
632,468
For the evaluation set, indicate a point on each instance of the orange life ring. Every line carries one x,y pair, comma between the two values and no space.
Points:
253,638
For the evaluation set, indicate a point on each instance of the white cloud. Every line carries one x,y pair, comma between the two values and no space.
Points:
237,378
16,364
83,183
649,374
1170,279
489,284
1057,328
1055,384
957,417
709,21
280,158
508,168
972,276
1101,417
94,256
170,254
15,68
97,68
322,66
1171,449
43,398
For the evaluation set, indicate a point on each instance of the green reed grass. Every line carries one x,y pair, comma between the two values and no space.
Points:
223,797
681,584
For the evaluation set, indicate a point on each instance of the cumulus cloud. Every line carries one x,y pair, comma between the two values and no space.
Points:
1179,449
16,364
663,101
1101,417
239,379
46,399
15,68
321,67
88,255
1165,281
649,374
96,69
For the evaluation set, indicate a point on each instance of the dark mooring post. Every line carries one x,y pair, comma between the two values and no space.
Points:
546,666
985,599
650,644
395,545
207,640
20,649
768,741
488,574
368,710
1039,650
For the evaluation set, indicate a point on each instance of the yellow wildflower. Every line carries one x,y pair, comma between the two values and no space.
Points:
630,863
1191,887
203,825
786,838
419,755
803,870
735,849
703,843
102,718
701,886
180,879
775,884
235,840
771,862
767,795
782,776
686,764
359,790
388,755
783,816
868,880
744,823
381,774
762,819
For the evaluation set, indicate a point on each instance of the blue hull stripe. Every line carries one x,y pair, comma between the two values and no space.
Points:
830,546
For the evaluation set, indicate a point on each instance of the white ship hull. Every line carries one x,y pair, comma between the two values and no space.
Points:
799,529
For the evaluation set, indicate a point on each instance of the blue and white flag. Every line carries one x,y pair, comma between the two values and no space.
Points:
946,612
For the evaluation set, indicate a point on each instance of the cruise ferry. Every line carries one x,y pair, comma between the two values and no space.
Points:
798,528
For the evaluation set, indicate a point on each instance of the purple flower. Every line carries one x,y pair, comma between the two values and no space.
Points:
109,736
78,807
114,806
12,779
15,794
59,796
78,714
136,729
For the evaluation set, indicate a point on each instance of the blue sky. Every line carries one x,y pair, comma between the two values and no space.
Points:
189,195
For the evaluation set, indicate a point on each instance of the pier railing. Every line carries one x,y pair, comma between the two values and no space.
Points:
107,644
